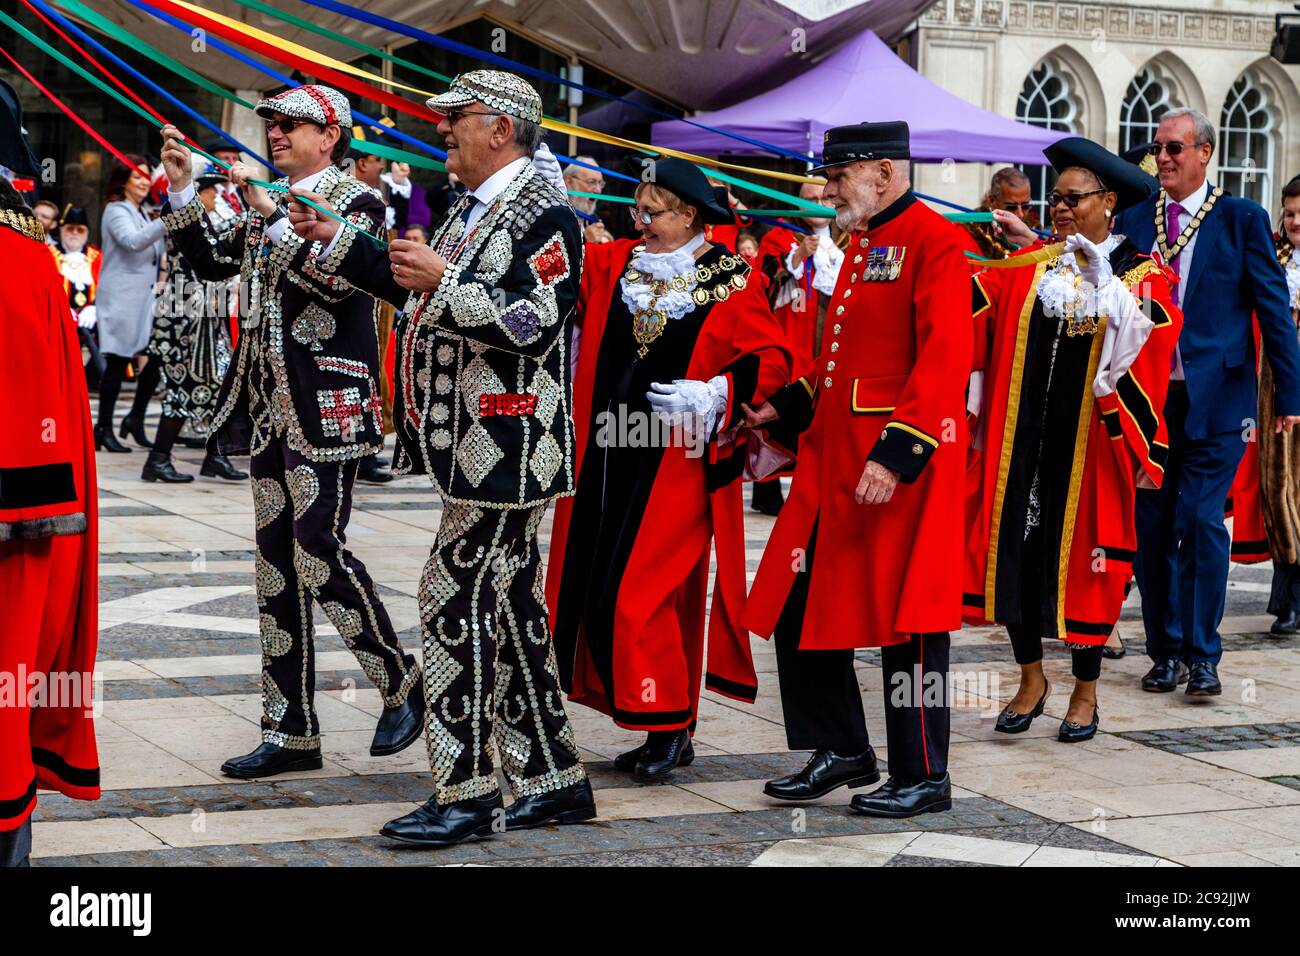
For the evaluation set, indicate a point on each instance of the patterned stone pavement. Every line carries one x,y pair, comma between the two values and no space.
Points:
1168,781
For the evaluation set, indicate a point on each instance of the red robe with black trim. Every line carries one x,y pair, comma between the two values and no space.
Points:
95,259
890,386
797,315
627,575
1245,504
48,548
1058,461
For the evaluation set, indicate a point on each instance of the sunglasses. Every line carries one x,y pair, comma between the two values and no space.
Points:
288,125
645,217
1173,149
453,116
1071,200
1017,206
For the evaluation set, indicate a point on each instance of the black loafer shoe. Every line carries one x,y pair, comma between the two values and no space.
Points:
1010,722
1286,624
627,760
1072,733
437,825
268,760
905,798
1165,676
217,465
400,726
663,753
825,771
572,804
372,474
1203,681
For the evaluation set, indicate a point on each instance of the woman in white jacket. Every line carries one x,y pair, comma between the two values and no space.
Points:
133,246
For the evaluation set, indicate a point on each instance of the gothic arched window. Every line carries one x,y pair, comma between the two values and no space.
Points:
1146,100
1046,100
1246,138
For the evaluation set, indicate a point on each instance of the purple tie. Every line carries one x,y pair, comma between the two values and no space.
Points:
1174,229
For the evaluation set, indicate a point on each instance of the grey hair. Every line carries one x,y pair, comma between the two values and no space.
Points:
1007,176
527,135
576,167
1204,128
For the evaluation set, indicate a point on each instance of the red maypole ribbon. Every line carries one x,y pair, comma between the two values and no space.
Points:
117,153
324,73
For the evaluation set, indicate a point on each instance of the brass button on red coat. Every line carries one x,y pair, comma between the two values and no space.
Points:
830,366
827,381
917,449
835,346
837,325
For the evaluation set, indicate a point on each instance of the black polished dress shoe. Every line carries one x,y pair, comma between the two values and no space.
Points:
400,726
435,824
905,798
1010,722
626,761
371,473
134,427
1072,733
1286,624
268,760
192,442
158,467
1165,676
1114,653
105,439
664,752
766,497
825,771
572,804
217,465
1203,681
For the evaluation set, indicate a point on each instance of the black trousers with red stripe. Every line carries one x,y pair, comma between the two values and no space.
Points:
822,703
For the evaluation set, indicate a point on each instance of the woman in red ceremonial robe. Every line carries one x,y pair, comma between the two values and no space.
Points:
48,558
1069,424
671,326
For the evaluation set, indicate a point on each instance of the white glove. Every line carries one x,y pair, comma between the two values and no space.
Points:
1126,332
86,317
1097,271
975,393
699,404
548,167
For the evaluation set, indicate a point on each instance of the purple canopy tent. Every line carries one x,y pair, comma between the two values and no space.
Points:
862,81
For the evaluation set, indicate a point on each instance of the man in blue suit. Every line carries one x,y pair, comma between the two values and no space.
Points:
1222,249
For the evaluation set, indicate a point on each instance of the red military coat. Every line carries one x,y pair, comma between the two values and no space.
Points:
798,314
889,385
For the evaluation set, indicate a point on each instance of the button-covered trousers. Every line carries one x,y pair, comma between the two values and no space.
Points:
491,681
301,509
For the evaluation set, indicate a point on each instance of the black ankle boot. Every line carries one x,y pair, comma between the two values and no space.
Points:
133,426
217,465
158,467
105,439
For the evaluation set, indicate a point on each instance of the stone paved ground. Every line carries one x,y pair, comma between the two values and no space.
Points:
1168,781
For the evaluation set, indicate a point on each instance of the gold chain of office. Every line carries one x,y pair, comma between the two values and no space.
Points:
649,322
1162,240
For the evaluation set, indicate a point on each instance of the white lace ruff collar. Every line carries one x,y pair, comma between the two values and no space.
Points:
1057,290
664,266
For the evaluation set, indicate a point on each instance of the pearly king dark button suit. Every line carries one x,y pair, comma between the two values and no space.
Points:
301,396
482,407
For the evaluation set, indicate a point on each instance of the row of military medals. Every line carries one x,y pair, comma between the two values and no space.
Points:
648,323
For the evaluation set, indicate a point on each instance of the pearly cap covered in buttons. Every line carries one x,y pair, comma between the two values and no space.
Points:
319,104
496,89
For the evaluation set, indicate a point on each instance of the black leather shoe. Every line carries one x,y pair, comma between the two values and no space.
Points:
158,467
1010,722
1114,653
268,760
766,497
1072,733
825,771
626,761
217,465
192,442
134,427
369,472
664,752
437,825
572,804
400,726
1286,624
905,798
1165,676
105,439
1203,681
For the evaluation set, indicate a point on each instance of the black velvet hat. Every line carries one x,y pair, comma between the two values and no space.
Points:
213,175
14,151
74,216
1129,183
685,181
849,144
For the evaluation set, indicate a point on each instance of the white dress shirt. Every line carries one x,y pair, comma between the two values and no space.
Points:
1183,266
492,187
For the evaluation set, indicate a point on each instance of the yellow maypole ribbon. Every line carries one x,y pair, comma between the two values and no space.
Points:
557,126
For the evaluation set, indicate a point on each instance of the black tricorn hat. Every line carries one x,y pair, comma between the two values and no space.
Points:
74,216
220,146
685,181
14,150
1129,183
849,144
